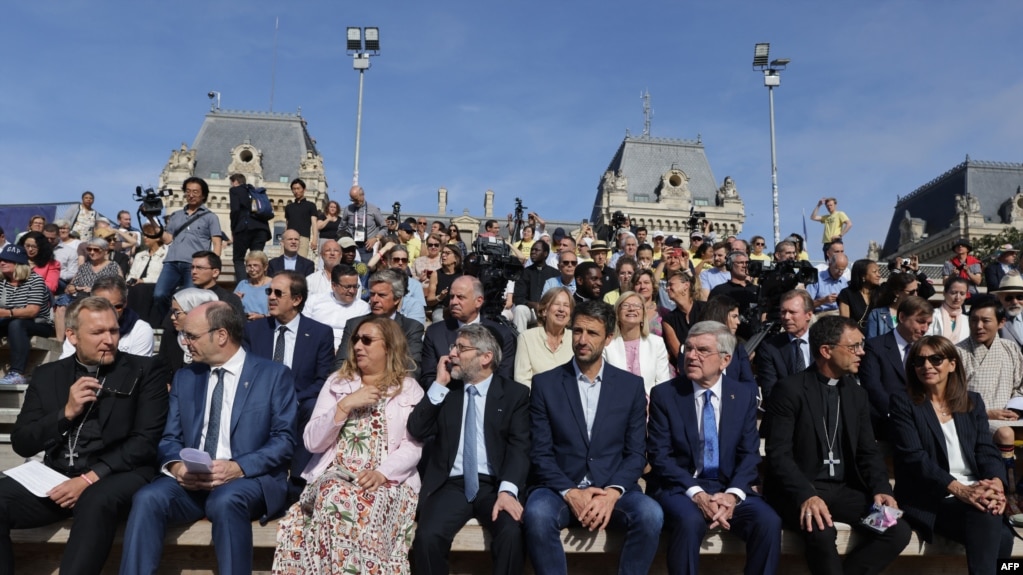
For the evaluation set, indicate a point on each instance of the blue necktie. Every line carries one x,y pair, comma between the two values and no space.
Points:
216,405
710,438
279,346
470,468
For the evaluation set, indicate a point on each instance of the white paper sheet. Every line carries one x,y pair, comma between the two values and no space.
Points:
196,461
36,477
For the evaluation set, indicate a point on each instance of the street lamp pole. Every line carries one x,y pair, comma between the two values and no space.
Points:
360,53
772,78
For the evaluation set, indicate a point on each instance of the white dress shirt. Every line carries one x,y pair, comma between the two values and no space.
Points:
699,396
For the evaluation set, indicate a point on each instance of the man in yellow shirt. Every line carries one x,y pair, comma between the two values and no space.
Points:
836,224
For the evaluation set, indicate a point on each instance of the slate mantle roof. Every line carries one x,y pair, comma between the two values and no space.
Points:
644,159
992,183
283,139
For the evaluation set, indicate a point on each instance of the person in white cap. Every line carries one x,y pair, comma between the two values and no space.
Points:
1006,263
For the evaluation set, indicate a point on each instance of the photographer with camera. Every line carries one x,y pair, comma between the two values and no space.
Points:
911,266
192,229
963,265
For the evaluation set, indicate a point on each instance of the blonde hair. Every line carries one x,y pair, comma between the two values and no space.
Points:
644,325
398,362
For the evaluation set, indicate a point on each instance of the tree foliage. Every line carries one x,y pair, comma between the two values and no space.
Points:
986,248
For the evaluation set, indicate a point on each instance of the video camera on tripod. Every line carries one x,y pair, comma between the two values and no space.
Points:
491,261
774,280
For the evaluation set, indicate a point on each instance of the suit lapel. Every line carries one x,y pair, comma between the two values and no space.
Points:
687,407
454,419
201,385
575,403
119,379
492,413
892,345
727,434
813,397
241,393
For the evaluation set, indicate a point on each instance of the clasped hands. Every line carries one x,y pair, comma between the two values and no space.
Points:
224,471
592,505
717,509
986,495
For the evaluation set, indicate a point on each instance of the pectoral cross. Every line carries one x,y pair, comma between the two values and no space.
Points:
830,462
71,455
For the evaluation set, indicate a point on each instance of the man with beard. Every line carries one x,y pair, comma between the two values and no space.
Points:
1010,293
717,275
586,473
97,417
529,286
474,426
588,282
823,463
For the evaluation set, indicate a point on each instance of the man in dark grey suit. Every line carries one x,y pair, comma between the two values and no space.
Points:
782,355
386,291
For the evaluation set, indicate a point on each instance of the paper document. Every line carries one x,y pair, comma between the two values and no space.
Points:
196,461
36,477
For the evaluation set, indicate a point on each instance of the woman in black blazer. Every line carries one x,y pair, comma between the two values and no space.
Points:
949,478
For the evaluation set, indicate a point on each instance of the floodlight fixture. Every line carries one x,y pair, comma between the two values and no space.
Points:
354,39
780,63
760,54
372,39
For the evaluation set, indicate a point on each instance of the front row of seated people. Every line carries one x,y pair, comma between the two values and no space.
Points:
526,463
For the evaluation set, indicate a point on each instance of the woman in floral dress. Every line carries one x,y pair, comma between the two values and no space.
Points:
356,513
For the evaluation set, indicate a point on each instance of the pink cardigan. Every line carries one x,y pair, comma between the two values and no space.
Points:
50,274
403,452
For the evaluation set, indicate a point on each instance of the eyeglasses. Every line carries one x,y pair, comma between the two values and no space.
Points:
347,287
853,347
1008,296
118,306
256,265
702,352
429,245
461,348
935,360
176,312
93,250
742,263
569,263
364,339
186,337
400,260
758,243
420,223
631,306
275,292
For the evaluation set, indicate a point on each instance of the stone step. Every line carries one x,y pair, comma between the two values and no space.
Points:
8,415
12,395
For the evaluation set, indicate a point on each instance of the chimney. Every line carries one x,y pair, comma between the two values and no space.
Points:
488,204
442,201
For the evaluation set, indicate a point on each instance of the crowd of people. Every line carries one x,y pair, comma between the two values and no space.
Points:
362,387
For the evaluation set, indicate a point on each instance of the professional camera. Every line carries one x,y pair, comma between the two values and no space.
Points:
491,261
396,207
774,279
694,220
151,206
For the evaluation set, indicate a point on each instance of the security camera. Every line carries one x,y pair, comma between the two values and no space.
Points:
211,95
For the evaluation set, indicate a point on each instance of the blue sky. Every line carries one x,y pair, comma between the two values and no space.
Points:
526,98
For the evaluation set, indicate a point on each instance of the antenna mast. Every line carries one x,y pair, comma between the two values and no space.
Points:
273,67
648,112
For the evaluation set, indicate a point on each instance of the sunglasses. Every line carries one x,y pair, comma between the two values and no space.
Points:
400,260
1013,297
433,245
275,292
935,360
364,339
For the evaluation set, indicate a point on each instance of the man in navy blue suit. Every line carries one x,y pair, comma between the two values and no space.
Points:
290,260
704,449
299,342
883,370
583,473
240,409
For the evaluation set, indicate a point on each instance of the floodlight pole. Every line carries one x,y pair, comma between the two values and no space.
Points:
363,61
774,165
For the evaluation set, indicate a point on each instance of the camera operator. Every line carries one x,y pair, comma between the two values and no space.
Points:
192,229
911,265
739,288
785,251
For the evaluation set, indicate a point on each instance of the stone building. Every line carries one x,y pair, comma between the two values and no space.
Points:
269,148
657,181
971,200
